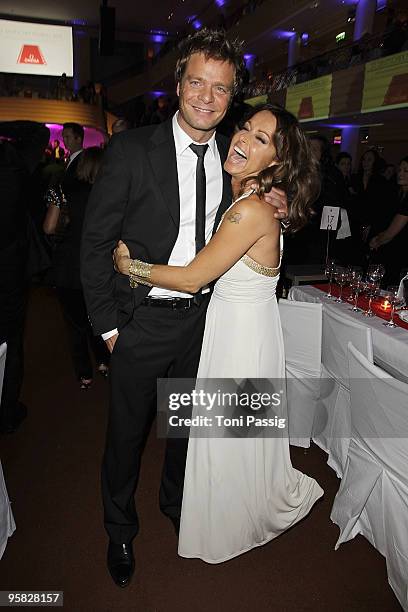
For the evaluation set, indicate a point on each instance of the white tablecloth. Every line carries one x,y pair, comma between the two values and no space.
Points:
390,345
7,524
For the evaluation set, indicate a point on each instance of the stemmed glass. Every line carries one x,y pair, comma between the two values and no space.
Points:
342,278
372,287
395,300
330,272
359,285
378,268
355,276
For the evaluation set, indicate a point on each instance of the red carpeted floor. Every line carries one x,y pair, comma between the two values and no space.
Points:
51,467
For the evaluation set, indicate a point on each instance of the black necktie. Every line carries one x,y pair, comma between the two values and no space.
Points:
200,151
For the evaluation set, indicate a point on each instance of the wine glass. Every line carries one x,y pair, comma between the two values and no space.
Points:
395,300
372,287
359,285
355,275
329,272
341,277
378,269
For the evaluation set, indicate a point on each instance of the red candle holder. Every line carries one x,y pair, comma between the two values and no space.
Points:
385,306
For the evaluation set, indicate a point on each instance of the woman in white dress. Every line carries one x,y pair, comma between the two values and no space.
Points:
240,493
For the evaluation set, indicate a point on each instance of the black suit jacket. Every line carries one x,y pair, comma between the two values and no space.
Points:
135,198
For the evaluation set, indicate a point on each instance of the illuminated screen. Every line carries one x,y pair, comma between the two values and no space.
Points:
257,100
311,100
386,83
33,48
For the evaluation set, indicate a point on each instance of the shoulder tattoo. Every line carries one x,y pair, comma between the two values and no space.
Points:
234,217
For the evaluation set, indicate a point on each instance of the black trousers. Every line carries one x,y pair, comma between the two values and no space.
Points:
80,332
157,343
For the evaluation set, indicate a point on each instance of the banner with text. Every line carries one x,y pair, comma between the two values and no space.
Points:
257,100
33,48
311,100
386,83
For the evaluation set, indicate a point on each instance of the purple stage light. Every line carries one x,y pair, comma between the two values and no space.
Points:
341,126
93,137
285,34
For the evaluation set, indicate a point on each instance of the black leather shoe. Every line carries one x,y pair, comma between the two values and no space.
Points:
121,563
176,524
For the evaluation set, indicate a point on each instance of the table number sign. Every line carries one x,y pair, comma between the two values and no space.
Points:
330,217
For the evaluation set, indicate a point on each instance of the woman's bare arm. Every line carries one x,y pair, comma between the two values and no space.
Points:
395,227
51,219
243,225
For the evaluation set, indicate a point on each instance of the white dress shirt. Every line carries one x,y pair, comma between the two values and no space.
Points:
72,157
184,249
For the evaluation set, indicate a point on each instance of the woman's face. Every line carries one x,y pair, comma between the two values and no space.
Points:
344,166
403,175
368,161
317,148
389,172
252,149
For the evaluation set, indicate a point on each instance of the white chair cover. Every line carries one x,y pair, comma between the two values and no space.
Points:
302,337
373,496
7,525
331,429
3,353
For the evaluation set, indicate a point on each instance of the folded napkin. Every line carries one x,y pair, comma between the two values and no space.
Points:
403,315
403,289
344,230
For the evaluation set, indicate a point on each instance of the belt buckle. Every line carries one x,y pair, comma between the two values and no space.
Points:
174,304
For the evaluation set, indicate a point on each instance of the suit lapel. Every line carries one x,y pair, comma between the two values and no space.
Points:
226,200
162,157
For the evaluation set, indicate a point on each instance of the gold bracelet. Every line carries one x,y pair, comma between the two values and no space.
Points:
139,272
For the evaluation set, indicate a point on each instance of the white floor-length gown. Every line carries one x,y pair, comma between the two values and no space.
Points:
240,493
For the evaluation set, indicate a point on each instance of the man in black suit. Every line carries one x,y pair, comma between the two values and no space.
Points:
147,195
64,220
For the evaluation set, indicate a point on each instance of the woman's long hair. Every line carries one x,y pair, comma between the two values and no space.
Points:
296,171
89,164
376,169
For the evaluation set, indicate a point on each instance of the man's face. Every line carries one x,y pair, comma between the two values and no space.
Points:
72,143
204,94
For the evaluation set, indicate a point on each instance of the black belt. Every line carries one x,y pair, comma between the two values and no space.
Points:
175,303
